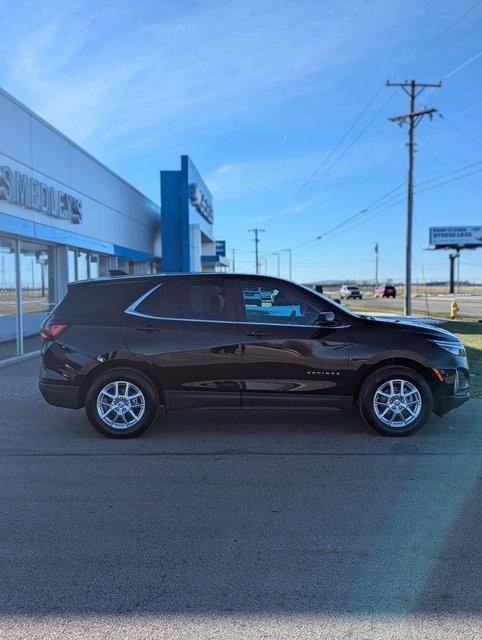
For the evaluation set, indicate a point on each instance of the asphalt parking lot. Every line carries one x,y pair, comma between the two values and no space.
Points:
253,525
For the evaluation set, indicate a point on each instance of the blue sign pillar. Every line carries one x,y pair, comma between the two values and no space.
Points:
186,218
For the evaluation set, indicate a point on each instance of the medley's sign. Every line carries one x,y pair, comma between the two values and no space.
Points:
28,192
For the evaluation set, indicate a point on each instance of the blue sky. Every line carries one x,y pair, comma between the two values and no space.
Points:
258,93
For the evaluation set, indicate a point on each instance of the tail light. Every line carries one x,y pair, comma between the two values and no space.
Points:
51,330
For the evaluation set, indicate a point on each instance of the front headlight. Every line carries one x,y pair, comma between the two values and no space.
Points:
457,348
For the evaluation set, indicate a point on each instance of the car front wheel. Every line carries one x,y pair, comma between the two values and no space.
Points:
121,403
396,401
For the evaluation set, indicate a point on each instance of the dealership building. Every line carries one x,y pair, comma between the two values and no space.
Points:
64,216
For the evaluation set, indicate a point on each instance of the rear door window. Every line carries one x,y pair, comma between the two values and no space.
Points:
189,300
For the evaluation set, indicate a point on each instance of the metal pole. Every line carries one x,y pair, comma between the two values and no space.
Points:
376,265
290,253
452,258
408,253
458,271
256,245
233,262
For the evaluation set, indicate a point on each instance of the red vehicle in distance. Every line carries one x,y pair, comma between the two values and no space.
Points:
385,291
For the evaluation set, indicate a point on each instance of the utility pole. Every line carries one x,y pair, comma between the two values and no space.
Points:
413,89
376,265
233,261
256,244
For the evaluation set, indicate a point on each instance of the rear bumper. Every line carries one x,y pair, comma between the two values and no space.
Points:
61,394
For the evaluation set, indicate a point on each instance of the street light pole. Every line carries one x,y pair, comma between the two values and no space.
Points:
278,257
290,254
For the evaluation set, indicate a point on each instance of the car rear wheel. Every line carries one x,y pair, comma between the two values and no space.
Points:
396,401
121,403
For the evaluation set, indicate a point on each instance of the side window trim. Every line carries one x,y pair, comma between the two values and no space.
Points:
132,308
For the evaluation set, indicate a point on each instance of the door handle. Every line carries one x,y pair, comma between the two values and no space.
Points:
148,327
257,334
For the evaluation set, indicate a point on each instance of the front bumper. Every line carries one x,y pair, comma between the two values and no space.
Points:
449,403
456,390
61,394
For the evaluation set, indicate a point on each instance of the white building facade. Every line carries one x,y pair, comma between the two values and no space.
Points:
64,216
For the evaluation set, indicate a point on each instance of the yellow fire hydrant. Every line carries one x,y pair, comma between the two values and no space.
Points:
454,309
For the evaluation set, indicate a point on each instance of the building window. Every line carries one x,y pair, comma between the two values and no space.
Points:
82,265
8,298
37,290
94,265
72,265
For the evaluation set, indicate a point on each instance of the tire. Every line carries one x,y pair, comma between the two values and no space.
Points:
373,398
131,414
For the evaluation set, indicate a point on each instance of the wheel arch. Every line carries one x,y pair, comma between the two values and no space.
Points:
137,367
427,373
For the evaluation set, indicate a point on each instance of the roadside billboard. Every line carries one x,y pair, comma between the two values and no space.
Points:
455,237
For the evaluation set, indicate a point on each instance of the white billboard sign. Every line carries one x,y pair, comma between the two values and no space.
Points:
456,237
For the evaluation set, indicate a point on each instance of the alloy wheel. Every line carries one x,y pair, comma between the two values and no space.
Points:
121,404
397,403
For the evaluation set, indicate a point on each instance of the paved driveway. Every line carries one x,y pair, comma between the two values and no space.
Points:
213,525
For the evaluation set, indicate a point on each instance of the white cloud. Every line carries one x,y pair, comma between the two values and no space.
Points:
103,72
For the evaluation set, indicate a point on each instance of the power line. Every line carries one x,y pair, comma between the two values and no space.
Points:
439,36
462,66
462,132
300,192
295,197
387,206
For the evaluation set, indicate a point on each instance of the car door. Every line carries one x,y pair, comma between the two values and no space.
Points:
185,327
288,359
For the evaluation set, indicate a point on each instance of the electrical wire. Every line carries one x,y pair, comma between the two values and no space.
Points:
387,207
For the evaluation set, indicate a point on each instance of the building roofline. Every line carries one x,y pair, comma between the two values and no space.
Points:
32,114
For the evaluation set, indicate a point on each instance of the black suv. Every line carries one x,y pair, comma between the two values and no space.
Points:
121,347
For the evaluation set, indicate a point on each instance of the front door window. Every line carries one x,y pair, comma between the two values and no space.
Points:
277,304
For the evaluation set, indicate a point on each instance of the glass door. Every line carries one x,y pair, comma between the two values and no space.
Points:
9,320
37,290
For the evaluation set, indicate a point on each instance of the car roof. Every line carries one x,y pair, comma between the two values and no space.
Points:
154,276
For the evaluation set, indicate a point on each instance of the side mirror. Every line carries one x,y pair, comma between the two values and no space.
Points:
327,317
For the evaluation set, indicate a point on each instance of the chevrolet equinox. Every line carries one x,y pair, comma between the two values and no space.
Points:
122,347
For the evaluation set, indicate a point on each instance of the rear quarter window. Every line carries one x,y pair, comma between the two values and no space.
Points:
97,302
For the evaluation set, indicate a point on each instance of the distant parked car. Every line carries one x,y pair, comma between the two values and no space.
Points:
350,292
385,291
